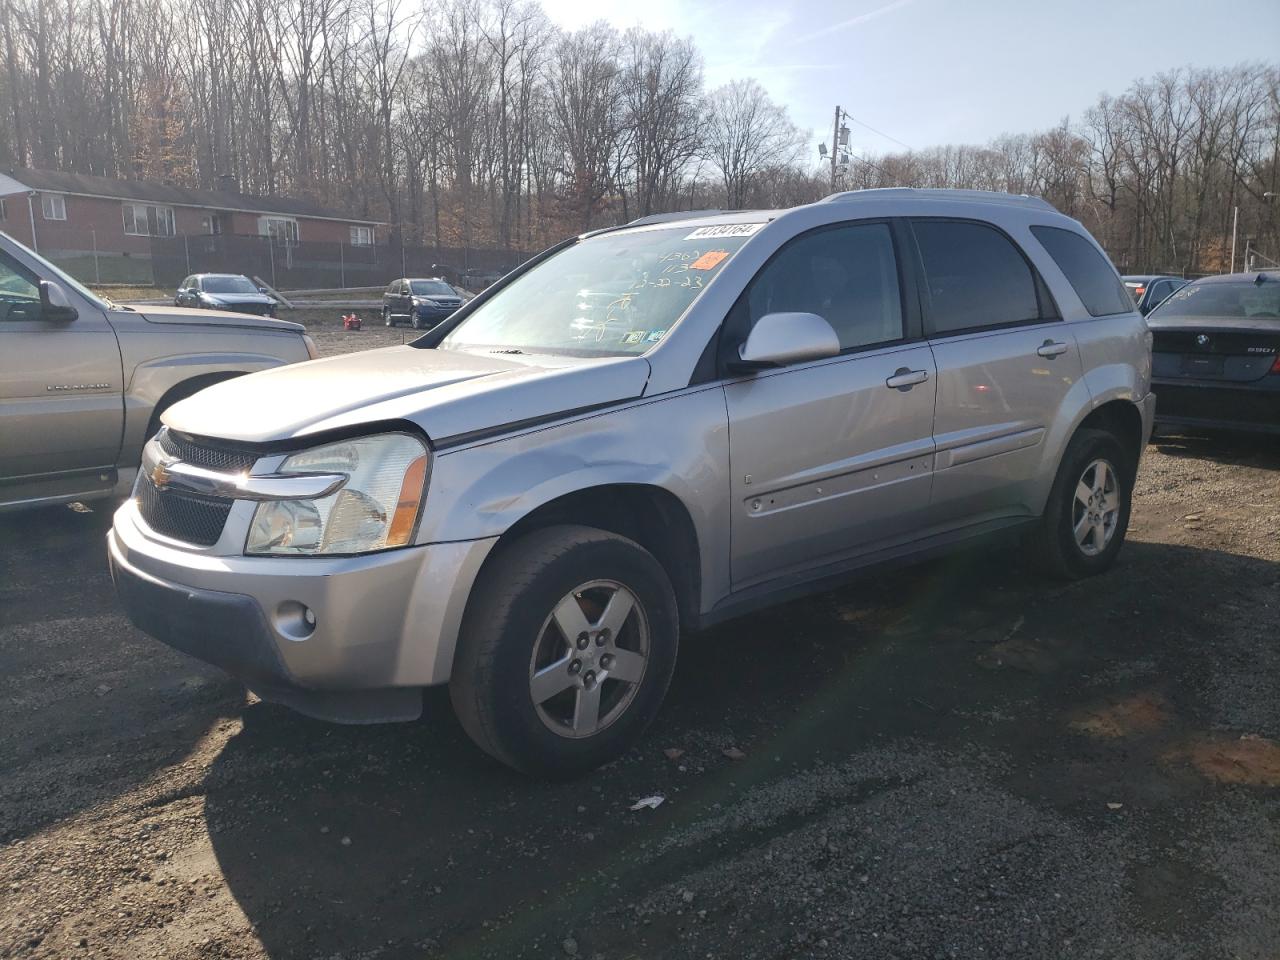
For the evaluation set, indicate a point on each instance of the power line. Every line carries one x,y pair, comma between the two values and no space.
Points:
880,132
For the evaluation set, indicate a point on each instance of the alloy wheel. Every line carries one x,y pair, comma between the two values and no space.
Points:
589,659
1095,510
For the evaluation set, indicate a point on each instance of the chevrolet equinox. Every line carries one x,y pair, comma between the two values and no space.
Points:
535,500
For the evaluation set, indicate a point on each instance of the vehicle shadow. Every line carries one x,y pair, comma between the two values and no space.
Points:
1245,449
90,708
405,840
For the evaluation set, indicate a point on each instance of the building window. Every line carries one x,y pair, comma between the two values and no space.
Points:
281,230
148,220
53,206
362,236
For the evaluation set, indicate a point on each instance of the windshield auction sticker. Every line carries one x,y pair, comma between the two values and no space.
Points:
709,260
725,230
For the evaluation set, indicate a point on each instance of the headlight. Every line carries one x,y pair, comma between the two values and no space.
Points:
375,509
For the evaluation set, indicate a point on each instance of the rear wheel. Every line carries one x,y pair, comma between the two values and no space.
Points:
386,316
566,651
1087,516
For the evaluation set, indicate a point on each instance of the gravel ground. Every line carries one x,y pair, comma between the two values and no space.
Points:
958,760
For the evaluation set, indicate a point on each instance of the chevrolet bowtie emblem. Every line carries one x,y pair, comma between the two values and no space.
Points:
160,476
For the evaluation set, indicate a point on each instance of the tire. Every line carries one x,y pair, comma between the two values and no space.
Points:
417,323
511,639
1056,548
386,317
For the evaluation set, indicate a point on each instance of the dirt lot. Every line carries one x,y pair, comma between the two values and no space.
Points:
957,760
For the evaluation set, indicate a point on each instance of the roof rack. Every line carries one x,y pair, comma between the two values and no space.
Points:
971,196
678,215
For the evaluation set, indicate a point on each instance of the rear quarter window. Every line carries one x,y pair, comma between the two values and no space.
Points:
1090,275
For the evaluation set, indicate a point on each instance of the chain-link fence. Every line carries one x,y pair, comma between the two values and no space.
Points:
94,259
311,264
81,253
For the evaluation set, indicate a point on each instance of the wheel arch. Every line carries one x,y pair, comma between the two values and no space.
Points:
1122,419
652,516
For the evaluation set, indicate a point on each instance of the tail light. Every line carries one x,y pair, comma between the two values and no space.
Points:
1275,367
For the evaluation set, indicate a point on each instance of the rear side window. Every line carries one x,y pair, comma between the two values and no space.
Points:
975,277
1087,270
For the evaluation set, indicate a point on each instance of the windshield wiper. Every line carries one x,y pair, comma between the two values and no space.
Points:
511,350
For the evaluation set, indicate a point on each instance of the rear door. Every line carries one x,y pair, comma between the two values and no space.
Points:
829,458
61,391
1006,362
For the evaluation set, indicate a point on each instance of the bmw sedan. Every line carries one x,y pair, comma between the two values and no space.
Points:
1216,354
224,291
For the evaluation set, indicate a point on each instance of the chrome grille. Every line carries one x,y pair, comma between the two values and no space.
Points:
183,516
228,459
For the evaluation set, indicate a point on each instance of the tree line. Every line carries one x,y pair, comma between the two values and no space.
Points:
480,123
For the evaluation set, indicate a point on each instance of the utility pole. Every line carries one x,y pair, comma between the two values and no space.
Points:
835,138
839,138
1235,226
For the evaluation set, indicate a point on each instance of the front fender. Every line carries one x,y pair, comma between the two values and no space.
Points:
483,489
152,379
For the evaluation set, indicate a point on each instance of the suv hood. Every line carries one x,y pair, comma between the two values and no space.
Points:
449,394
212,318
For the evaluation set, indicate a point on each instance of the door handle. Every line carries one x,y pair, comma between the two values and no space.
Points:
905,378
1052,348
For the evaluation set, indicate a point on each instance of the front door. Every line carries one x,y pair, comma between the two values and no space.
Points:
829,458
61,396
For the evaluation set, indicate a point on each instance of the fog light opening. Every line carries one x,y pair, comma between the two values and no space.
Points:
294,620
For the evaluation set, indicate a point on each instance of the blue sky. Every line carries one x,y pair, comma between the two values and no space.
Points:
926,72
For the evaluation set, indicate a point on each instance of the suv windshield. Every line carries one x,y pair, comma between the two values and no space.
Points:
228,285
611,295
431,288
1241,298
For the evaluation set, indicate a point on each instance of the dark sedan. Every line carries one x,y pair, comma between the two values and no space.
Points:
1216,354
224,291
1151,290
422,303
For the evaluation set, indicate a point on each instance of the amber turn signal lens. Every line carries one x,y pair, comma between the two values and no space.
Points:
406,514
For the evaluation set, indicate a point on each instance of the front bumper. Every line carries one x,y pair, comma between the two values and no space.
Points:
386,624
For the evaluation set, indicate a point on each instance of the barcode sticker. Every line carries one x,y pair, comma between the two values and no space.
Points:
725,230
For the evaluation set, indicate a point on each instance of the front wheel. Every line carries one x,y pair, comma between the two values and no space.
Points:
566,650
1087,515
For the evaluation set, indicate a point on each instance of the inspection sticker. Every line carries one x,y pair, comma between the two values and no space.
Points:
725,230
633,336
709,260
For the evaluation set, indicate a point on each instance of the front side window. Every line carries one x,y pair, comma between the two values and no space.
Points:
1090,275
19,292
148,220
847,275
975,277
616,294
362,236
53,206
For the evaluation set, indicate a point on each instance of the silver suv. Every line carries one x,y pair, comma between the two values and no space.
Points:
534,501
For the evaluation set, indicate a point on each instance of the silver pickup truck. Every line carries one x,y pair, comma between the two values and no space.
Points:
83,381
533,501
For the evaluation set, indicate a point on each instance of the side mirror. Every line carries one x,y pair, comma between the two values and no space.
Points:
779,339
262,289
54,304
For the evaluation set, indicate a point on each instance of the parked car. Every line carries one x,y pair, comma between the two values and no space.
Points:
533,510
421,303
84,381
1150,290
1216,354
225,291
